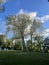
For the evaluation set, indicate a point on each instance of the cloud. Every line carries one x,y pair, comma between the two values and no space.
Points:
31,14
21,11
43,19
46,17
46,32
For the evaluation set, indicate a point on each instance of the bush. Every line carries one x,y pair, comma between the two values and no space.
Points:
18,45
29,47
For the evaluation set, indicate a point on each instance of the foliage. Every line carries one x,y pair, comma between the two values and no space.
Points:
38,39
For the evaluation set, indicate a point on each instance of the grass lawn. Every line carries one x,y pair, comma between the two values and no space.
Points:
23,58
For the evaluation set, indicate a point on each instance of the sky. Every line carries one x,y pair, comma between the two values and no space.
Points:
35,8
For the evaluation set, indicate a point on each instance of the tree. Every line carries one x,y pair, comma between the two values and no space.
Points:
18,24
46,44
29,45
39,40
46,41
2,39
2,1
35,26
2,8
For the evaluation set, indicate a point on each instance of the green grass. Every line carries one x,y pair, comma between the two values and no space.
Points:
23,58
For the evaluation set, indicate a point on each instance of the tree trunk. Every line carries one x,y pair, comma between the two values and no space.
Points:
23,42
31,40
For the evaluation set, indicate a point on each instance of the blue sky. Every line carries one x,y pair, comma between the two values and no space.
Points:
41,7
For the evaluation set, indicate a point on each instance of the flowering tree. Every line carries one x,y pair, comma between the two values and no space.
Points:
18,24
